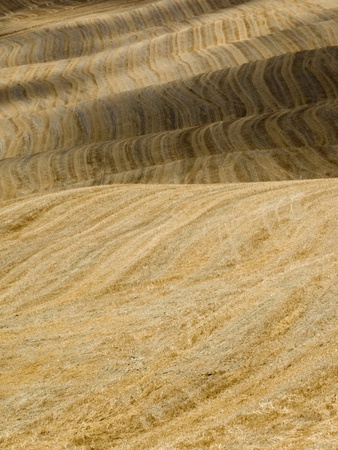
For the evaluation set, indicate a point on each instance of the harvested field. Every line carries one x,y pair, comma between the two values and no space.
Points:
168,224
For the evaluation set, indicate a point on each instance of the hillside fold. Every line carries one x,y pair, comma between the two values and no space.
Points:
168,224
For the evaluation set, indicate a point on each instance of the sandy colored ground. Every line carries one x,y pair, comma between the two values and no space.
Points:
168,224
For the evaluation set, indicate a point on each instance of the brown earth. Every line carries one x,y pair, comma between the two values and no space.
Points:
168,224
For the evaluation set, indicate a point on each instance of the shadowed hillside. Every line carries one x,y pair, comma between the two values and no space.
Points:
170,91
168,224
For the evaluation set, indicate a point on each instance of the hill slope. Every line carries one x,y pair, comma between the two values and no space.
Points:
174,317
168,224
168,92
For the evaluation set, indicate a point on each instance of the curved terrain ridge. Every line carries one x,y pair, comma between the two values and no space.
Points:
154,292
124,91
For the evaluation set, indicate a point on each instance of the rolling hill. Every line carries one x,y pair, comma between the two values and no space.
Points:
168,224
